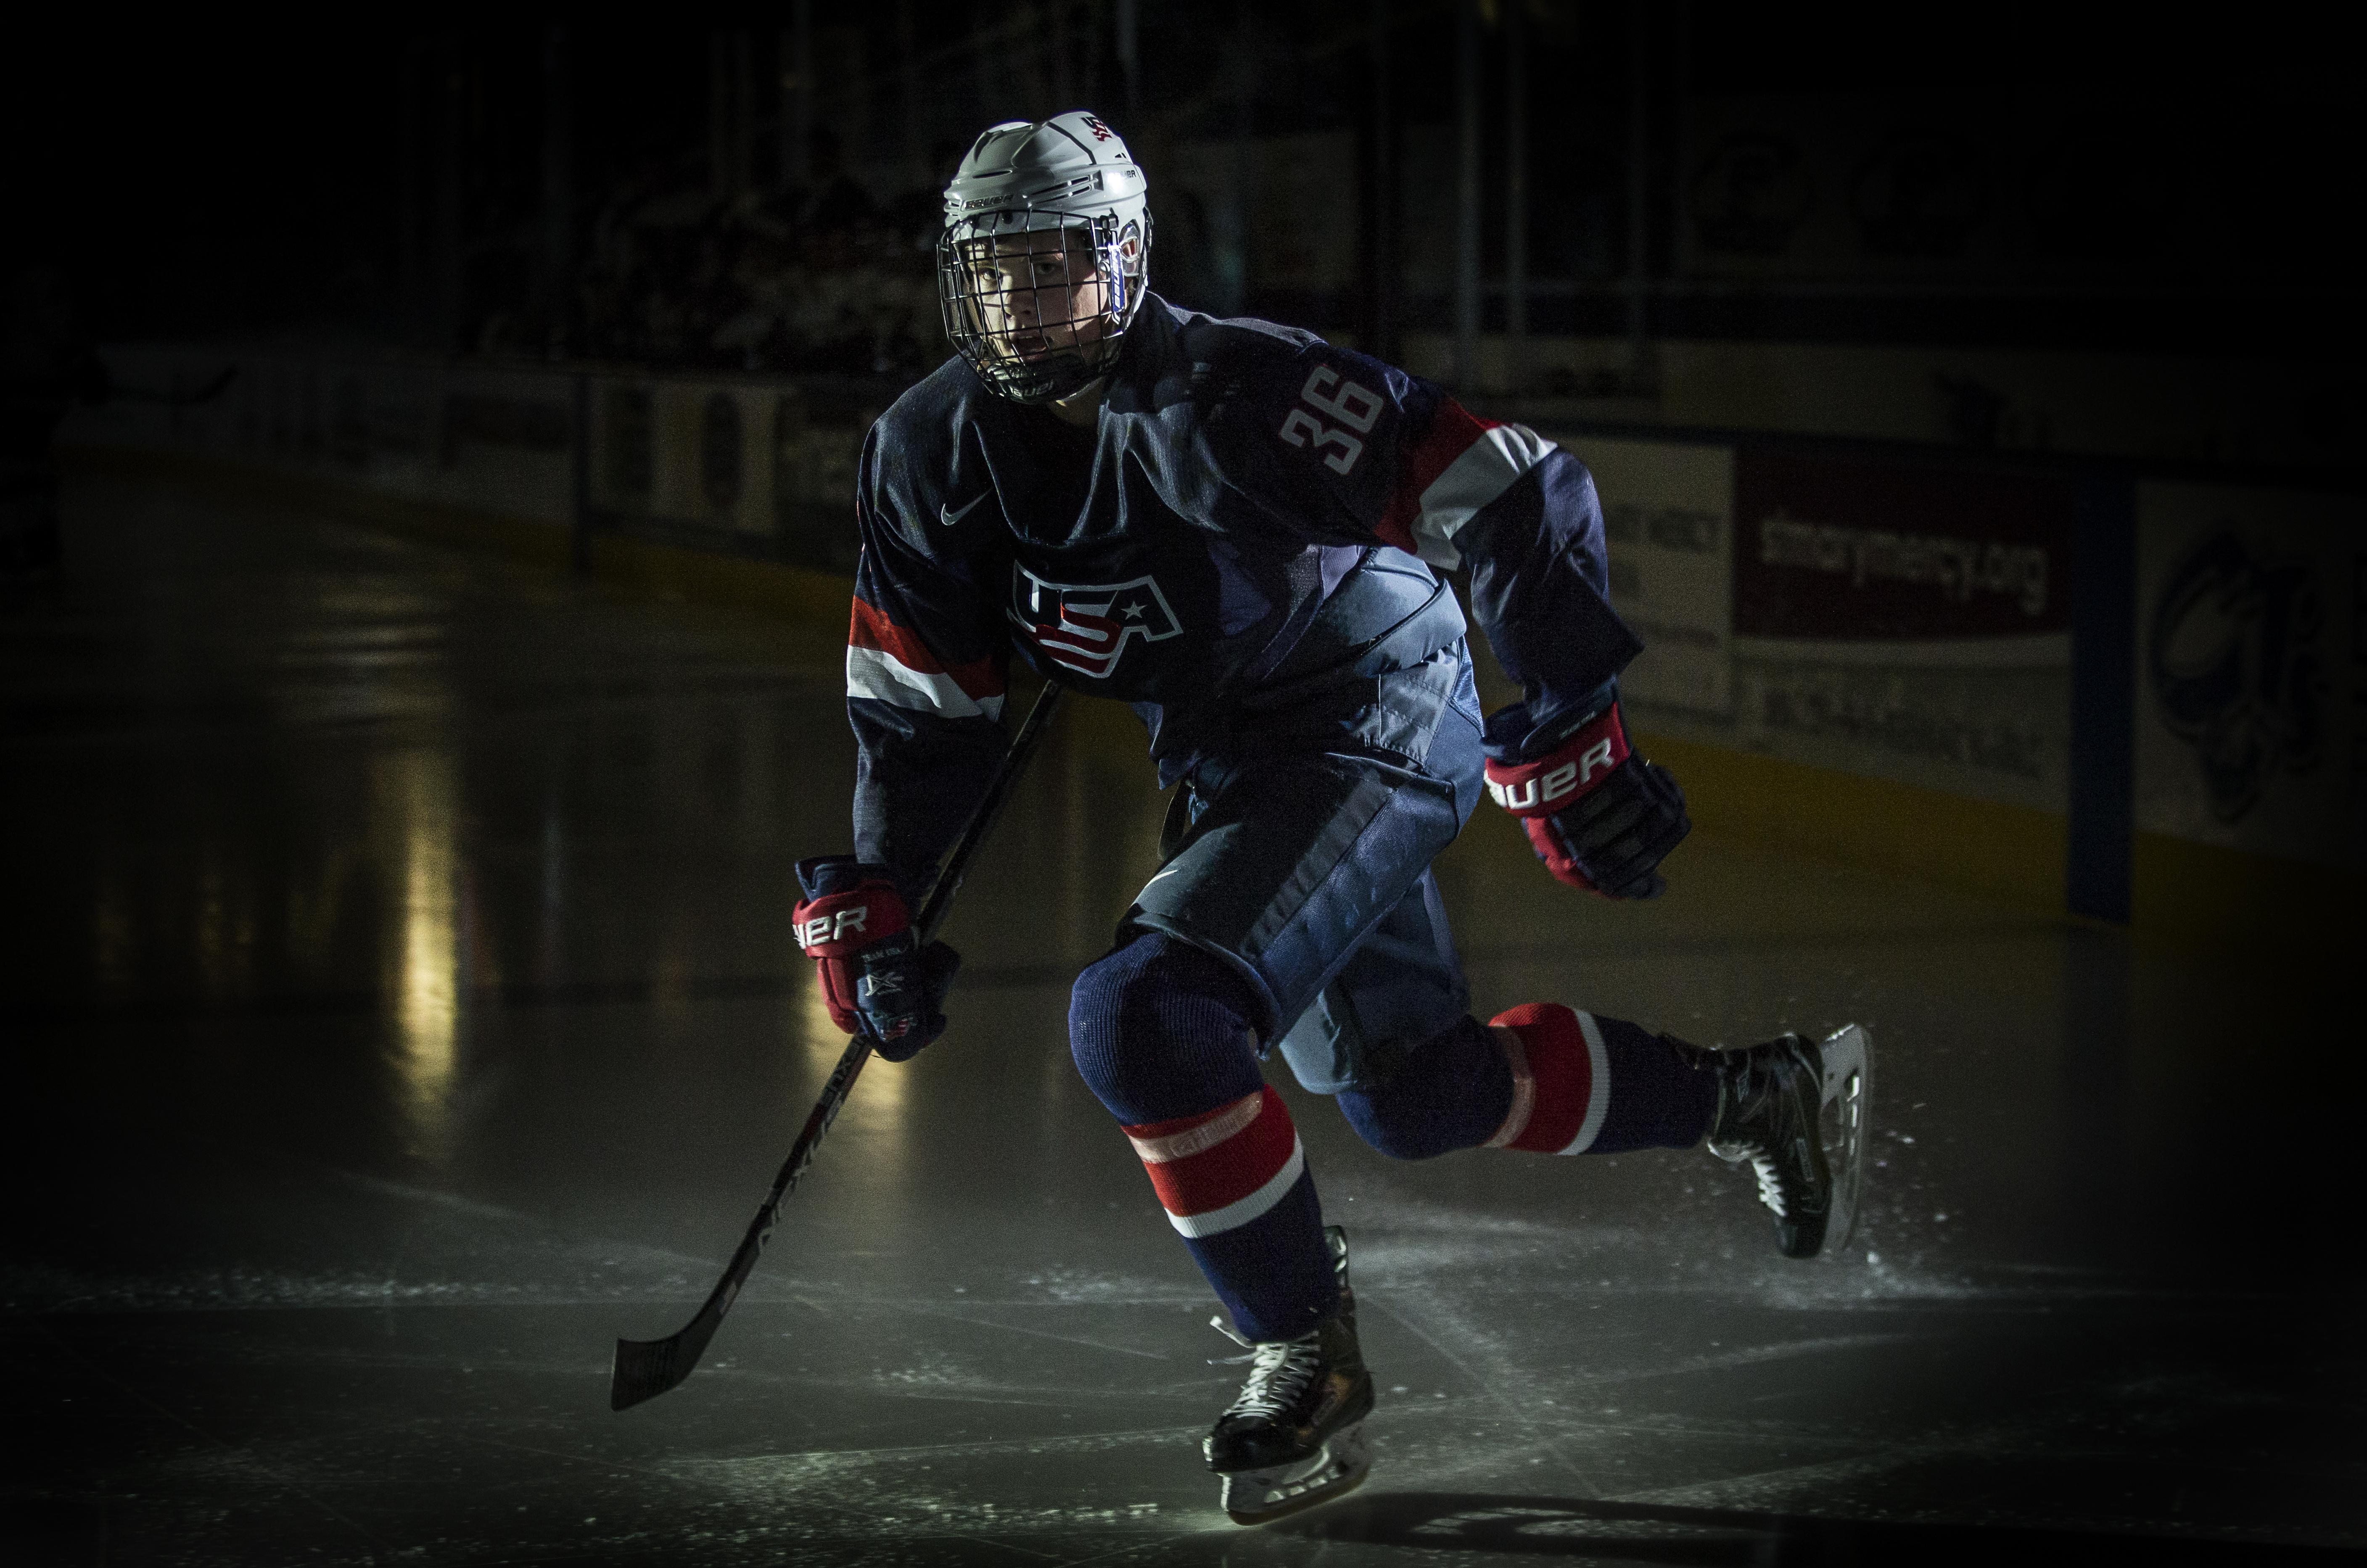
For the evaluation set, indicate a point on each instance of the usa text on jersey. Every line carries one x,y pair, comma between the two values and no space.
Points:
1084,626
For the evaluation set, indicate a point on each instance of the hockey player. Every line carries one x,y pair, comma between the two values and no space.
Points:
1240,530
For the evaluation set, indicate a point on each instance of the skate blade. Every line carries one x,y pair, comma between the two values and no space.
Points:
1260,1496
1844,1126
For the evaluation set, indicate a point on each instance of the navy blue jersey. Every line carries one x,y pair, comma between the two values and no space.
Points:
1255,512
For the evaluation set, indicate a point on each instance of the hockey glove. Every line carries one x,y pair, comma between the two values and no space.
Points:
875,977
1600,816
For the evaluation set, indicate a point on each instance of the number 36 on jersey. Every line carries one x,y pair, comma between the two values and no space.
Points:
1341,415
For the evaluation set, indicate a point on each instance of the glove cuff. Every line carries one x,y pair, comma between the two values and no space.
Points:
821,875
1524,731
1565,774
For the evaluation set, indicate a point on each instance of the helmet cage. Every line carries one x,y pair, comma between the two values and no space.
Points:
1038,303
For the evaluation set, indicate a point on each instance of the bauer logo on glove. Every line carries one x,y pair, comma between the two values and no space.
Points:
1526,789
876,977
836,927
1599,816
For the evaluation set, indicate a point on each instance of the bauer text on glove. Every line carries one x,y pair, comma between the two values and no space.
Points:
876,977
1599,816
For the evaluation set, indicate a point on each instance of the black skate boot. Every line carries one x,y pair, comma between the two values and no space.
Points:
1768,1102
1295,1438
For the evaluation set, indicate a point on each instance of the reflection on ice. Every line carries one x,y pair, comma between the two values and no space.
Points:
878,1102
817,1037
416,796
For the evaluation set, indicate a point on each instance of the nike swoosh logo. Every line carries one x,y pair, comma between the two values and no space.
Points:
1169,872
947,516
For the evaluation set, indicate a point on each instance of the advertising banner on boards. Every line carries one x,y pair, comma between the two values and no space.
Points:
1855,552
2251,707
1668,519
1892,619
1906,620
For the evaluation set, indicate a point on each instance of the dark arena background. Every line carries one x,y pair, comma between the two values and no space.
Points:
428,527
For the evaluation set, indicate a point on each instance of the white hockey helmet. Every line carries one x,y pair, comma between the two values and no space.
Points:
1040,268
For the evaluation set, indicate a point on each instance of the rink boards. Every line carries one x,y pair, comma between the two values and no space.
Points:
2062,684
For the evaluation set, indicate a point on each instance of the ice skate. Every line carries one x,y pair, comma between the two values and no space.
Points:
1846,1057
1795,1110
1295,1438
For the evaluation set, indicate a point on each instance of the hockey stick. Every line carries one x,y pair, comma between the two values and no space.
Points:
647,1368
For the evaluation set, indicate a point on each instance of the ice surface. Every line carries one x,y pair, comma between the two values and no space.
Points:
403,1009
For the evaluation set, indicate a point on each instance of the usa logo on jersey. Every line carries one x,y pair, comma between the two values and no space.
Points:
1084,625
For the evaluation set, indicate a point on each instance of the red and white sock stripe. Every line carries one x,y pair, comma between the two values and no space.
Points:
1224,1168
1561,1079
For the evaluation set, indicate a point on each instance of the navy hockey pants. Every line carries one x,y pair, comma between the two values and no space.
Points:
1296,901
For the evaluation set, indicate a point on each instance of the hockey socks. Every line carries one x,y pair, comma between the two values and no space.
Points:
1541,1078
1587,1085
1162,1034
1235,1186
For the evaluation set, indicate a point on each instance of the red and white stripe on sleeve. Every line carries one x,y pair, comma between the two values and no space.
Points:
1219,1170
1461,463
1561,1079
886,662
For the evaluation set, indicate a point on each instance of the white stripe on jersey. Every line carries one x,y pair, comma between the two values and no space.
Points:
872,673
1484,471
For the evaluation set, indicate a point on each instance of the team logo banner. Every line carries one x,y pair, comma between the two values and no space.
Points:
1084,625
2252,660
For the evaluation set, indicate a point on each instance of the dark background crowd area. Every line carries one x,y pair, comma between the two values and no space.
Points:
759,192
822,276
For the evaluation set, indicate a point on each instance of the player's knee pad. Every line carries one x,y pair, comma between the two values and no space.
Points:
1399,1138
1451,1093
1160,1030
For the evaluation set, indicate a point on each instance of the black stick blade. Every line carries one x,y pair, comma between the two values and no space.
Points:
647,1368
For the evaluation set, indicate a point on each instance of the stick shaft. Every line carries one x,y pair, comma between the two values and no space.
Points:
981,822
647,1368
933,910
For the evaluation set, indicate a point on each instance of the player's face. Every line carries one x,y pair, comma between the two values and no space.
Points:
1038,293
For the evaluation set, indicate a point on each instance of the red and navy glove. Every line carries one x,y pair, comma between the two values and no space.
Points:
875,977
1600,816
